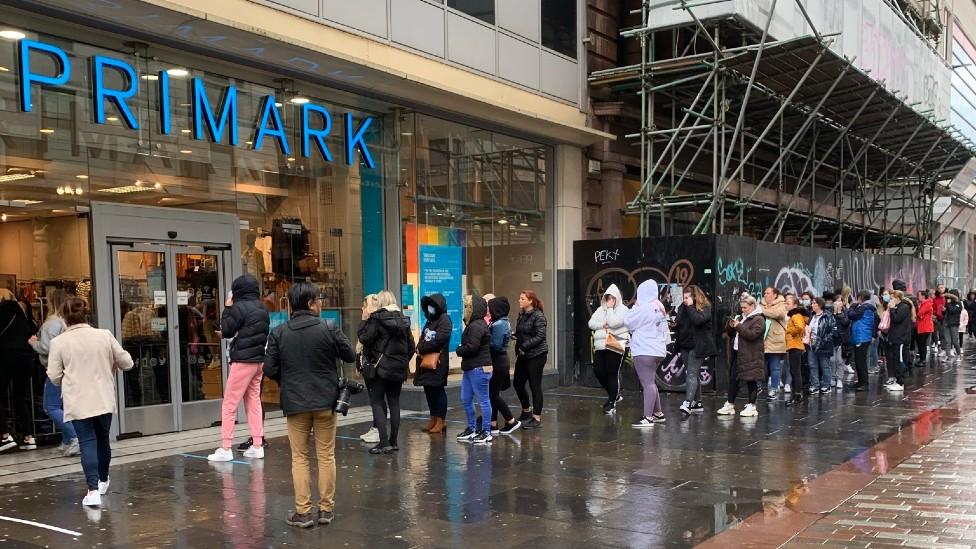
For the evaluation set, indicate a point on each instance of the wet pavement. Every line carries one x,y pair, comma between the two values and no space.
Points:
583,480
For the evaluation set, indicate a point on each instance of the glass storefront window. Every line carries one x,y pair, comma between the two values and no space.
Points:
476,214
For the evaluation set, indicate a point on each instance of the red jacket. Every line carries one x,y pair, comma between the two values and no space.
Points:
924,323
939,304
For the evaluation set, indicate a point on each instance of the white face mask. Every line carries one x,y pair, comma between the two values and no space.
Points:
431,310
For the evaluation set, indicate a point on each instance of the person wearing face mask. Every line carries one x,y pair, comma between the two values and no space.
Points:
432,373
607,323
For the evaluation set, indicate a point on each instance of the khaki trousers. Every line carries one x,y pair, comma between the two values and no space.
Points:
300,426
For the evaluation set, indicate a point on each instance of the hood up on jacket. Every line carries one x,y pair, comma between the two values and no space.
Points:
245,288
799,310
479,308
644,310
499,308
439,304
899,285
612,291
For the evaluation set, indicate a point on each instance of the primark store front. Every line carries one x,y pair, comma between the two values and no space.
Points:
146,179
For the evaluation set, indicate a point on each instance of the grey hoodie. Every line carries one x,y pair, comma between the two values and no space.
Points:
613,319
52,328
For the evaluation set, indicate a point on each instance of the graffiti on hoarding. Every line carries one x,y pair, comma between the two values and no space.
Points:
681,272
603,257
735,273
672,376
795,280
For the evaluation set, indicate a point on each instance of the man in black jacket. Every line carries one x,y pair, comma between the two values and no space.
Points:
301,358
246,321
475,354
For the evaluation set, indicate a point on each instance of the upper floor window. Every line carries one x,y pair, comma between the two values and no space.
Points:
482,9
559,26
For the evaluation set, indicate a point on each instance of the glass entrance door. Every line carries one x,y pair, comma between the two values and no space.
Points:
168,299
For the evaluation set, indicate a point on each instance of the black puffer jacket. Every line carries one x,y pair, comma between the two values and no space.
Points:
16,327
701,322
387,333
246,321
301,358
953,311
474,349
434,338
900,328
684,329
530,334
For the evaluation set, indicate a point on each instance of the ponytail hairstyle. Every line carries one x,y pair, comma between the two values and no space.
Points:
534,298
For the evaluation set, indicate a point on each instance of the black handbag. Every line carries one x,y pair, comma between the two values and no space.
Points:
368,368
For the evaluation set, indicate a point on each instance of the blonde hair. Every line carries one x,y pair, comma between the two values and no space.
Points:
7,295
901,297
372,303
747,299
55,301
386,300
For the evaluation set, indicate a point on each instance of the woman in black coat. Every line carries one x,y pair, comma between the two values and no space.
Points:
697,342
434,339
16,367
531,351
387,344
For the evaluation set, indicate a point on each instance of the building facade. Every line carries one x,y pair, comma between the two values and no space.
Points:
153,151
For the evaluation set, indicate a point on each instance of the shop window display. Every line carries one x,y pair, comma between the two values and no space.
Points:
476,216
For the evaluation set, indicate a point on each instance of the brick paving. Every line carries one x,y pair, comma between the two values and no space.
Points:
928,500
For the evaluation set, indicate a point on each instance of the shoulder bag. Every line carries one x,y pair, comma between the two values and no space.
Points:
614,344
429,361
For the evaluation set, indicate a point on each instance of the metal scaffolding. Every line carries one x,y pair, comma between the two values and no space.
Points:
782,140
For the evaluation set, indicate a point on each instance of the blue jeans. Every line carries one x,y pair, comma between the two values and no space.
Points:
474,384
96,454
873,355
774,365
820,369
54,408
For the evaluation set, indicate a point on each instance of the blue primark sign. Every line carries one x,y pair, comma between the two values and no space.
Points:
316,122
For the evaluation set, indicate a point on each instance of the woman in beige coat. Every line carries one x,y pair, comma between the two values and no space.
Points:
84,361
774,309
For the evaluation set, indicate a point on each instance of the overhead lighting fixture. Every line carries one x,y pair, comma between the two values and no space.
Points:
81,176
78,191
503,221
150,77
523,224
126,189
186,104
186,130
158,186
112,118
4,69
11,34
186,151
299,100
47,130
177,72
279,104
8,177
406,134
291,158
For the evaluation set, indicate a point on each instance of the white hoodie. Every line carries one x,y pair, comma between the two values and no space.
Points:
612,318
648,323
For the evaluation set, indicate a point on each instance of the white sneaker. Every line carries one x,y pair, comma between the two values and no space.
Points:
371,436
772,393
7,442
685,408
72,449
749,411
103,486
850,370
895,387
28,443
643,423
787,389
92,499
890,381
254,453
727,410
839,384
221,455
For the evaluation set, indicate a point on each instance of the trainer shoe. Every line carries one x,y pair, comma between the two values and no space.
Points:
372,436
812,391
221,455
92,499
749,411
250,442
727,410
658,418
788,389
525,416
825,390
895,387
303,520
103,486
609,408
72,449
643,423
511,428
466,434
482,437
890,381
28,443
532,423
254,452
772,394
685,408
326,517
7,442
839,384
620,398
697,407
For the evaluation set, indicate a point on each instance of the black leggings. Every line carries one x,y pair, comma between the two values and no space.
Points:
922,344
498,404
385,396
530,370
795,358
606,366
861,363
734,382
15,376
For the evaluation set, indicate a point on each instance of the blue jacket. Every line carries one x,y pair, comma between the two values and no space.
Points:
501,335
862,327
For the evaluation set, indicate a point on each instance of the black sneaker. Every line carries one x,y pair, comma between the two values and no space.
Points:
326,517
532,423
250,442
466,435
697,407
382,448
511,428
303,520
525,417
482,437
7,442
609,408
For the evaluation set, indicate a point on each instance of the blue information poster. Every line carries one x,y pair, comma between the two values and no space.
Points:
440,273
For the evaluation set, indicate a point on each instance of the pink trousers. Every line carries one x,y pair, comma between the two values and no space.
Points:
244,382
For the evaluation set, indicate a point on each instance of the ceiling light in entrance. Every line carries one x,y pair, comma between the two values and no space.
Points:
299,100
140,188
177,72
81,176
11,34
8,177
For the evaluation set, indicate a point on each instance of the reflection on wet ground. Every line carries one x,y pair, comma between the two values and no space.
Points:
583,480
